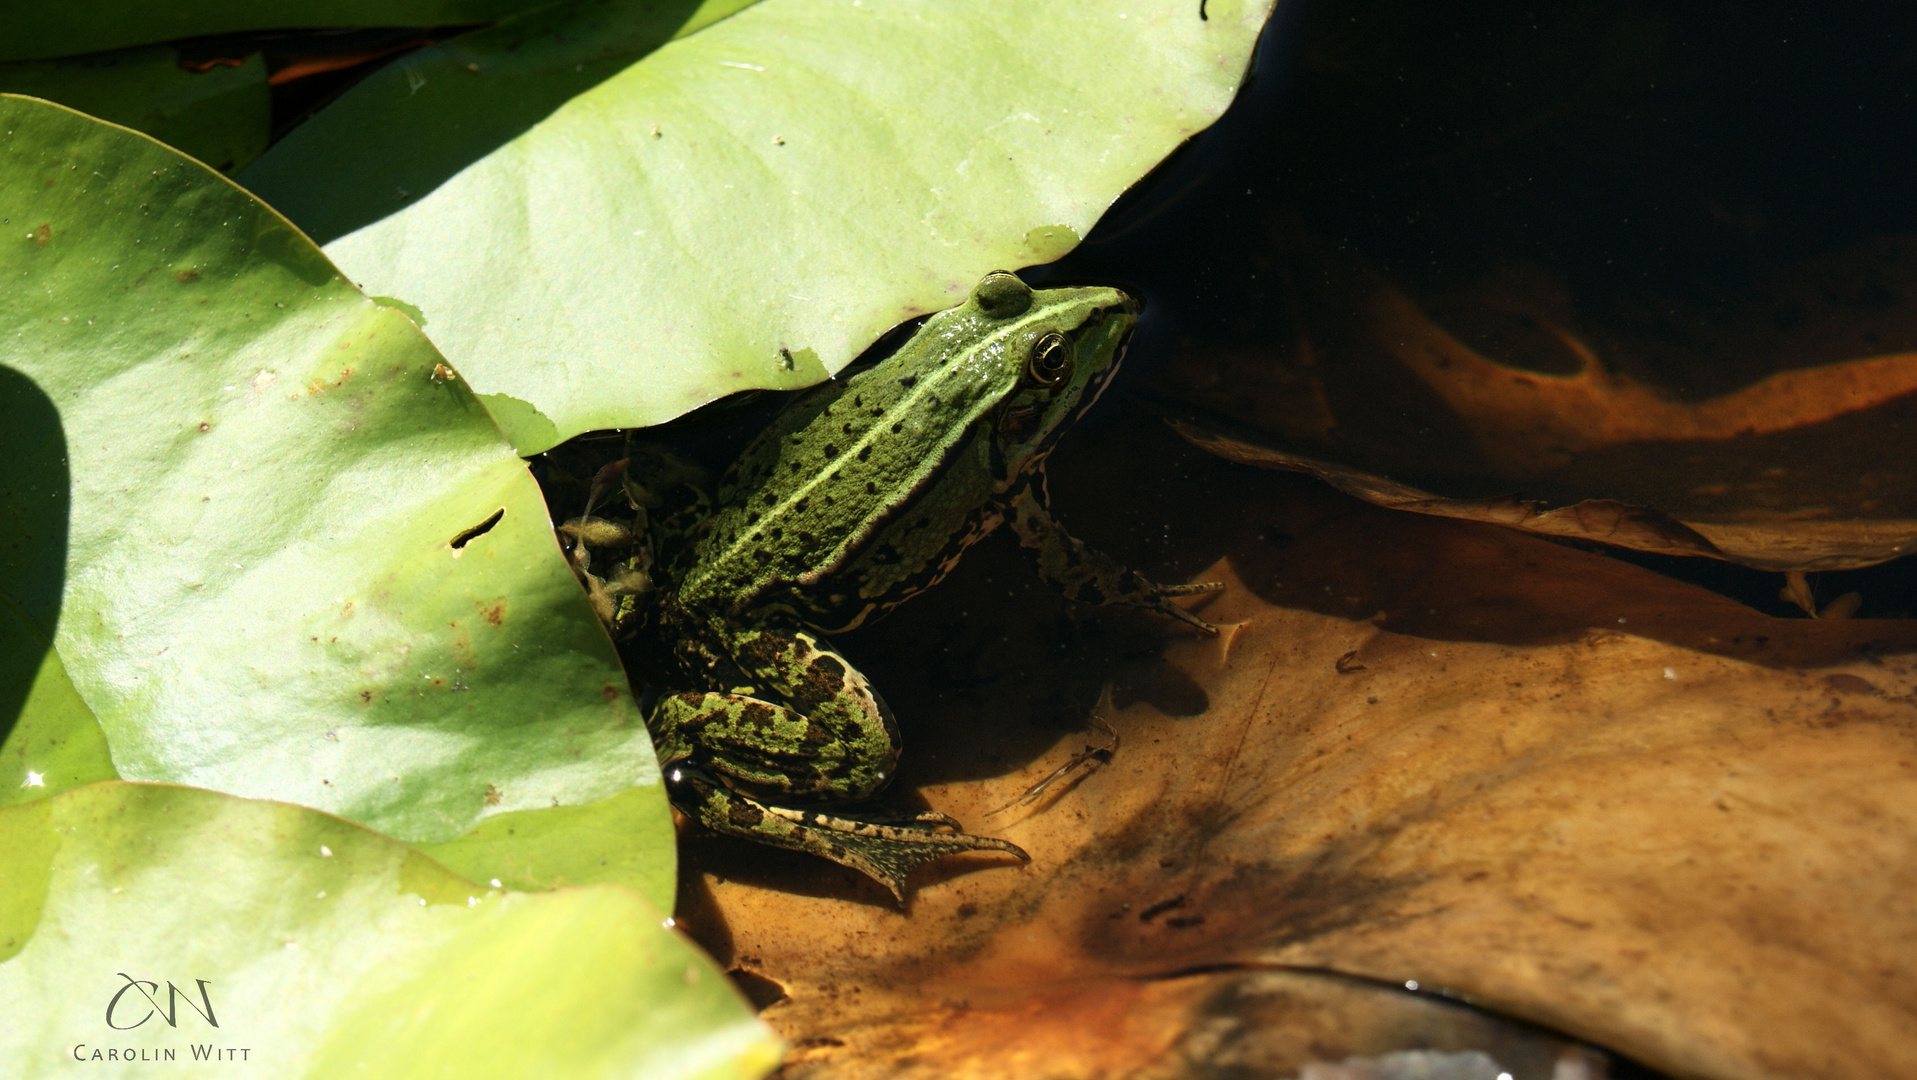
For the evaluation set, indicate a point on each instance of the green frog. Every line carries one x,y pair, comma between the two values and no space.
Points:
860,496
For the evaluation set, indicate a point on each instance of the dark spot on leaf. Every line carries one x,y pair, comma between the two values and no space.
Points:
184,275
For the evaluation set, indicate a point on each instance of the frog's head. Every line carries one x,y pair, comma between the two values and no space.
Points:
1065,344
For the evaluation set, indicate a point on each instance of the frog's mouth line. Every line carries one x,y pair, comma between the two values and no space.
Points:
1095,390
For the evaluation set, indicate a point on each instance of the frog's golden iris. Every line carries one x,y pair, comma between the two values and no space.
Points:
1051,361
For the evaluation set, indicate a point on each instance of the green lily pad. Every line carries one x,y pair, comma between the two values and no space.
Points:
42,30
55,743
223,115
299,560
406,128
210,934
752,205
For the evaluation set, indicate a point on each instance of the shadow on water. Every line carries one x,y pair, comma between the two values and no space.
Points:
412,125
35,495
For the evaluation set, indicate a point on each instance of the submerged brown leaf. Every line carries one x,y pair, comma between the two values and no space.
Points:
1604,520
1795,455
1792,545
1529,422
1423,750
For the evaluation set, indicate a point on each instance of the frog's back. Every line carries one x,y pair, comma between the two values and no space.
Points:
809,493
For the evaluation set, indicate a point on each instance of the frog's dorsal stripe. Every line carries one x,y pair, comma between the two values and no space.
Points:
814,490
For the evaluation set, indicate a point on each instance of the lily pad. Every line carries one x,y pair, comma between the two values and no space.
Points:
150,923
408,127
223,115
1433,754
45,30
54,742
299,560
752,205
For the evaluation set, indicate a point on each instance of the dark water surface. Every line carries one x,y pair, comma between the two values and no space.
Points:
1706,193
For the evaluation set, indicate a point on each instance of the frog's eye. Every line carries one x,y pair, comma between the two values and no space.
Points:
1051,361
1002,295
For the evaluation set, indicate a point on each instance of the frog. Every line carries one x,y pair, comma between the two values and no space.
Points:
860,496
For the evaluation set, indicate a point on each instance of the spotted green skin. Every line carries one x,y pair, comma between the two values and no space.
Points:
859,497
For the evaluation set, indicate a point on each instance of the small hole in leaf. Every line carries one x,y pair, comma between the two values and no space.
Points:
478,530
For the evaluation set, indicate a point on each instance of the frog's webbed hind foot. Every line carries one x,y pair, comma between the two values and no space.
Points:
886,850
889,853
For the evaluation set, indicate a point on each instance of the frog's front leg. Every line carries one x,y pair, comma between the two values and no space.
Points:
1086,574
828,738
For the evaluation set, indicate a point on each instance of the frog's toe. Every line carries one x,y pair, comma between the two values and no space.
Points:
1163,604
1187,617
1202,588
917,819
1138,590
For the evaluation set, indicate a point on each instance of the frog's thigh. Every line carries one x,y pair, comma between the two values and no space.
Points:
829,753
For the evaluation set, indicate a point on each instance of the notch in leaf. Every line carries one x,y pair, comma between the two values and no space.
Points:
478,530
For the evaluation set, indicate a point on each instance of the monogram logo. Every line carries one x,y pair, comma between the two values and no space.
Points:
147,991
